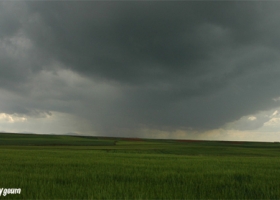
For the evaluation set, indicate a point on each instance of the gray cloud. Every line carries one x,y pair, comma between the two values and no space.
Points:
127,65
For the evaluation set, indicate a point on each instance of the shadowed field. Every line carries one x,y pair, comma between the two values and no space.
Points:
46,166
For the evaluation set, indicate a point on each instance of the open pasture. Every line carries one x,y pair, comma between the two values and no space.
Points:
71,167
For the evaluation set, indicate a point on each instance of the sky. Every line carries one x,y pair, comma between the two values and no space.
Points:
204,70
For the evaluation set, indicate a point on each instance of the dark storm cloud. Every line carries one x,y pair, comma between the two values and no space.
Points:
173,65
143,41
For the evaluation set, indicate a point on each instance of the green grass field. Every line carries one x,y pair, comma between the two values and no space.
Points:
69,167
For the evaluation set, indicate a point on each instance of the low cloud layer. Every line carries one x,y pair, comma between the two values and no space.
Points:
122,67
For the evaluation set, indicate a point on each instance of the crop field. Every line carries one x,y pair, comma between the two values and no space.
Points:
72,167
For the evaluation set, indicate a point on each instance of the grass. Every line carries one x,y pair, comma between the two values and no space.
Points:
62,167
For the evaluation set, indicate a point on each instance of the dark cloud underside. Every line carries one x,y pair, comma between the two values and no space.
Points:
174,65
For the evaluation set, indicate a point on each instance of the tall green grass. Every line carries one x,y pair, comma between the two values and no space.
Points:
124,172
